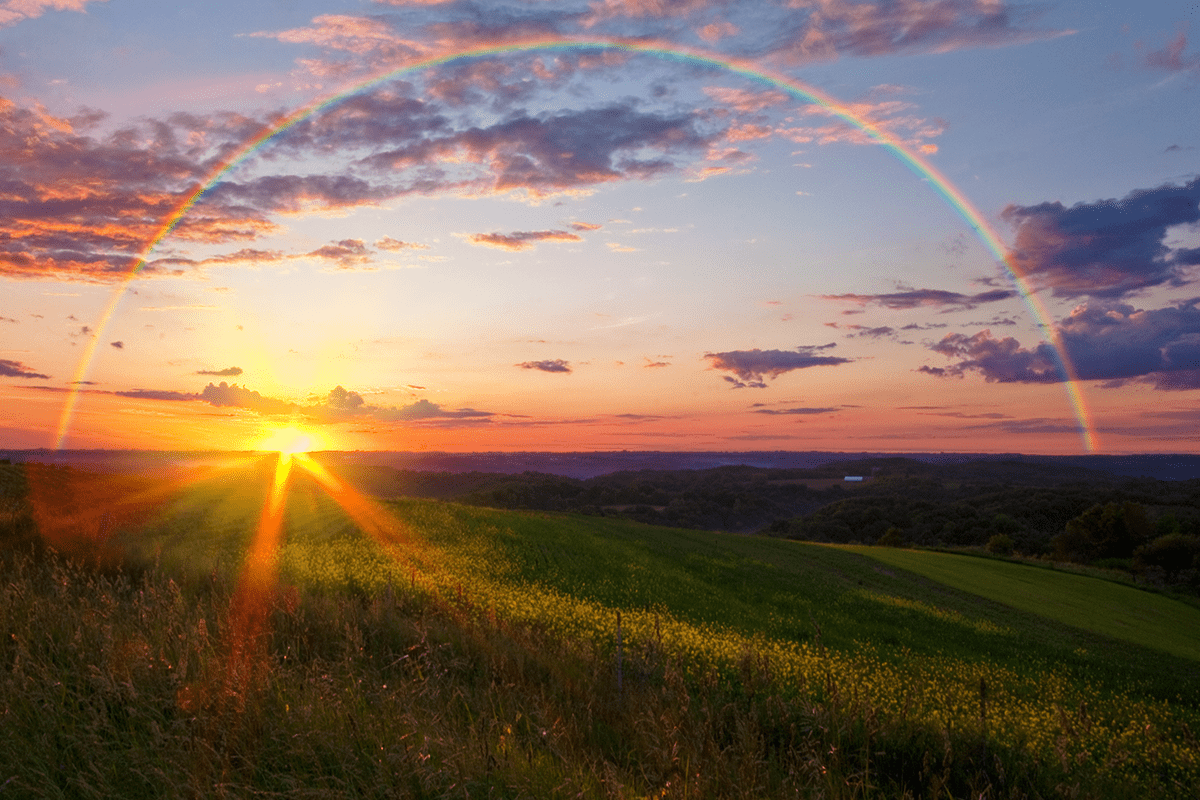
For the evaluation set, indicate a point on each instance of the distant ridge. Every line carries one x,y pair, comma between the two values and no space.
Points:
1162,466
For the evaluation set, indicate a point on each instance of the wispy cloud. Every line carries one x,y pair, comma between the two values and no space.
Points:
521,240
395,245
228,372
798,411
924,298
1171,56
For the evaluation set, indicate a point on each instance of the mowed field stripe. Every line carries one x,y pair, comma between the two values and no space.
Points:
1095,605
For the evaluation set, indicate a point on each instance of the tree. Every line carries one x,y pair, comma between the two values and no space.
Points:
1175,558
1112,530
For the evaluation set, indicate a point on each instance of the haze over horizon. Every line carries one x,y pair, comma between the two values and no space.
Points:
655,240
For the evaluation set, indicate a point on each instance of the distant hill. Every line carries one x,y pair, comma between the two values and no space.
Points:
593,464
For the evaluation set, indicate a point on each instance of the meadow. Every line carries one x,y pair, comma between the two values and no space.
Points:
263,637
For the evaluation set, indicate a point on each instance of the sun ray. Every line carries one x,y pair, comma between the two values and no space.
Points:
252,598
375,520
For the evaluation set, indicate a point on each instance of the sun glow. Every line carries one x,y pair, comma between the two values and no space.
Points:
290,441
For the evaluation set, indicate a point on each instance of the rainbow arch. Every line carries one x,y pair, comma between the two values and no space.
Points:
792,87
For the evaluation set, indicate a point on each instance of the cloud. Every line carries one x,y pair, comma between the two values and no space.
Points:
15,369
1109,248
924,298
228,372
150,394
81,207
586,226
340,398
793,32
339,405
521,240
118,345
300,193
752,366
998,360
15,11
1171,57
1107,341
426,410
395,245
346,254
372,38
226,395
551,365
795,411
881,107
826,30
874,333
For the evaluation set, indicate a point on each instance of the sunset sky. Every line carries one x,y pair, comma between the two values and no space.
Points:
601,225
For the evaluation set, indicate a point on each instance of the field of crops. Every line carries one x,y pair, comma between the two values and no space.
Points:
885,642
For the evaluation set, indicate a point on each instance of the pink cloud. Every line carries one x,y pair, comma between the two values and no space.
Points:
82,207
841,27
15,11
521,240
1171,57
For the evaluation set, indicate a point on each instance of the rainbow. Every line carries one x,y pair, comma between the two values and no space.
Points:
923,169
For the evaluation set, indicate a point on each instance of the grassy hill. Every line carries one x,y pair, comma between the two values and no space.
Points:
422,648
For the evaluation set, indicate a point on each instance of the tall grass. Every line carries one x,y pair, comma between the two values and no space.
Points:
114,686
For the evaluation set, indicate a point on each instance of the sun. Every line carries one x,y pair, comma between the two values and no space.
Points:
289,441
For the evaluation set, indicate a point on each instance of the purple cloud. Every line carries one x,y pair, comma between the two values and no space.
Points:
15,369
924,298
154,394
550,365
1108,341
1109,248
751,366
795,411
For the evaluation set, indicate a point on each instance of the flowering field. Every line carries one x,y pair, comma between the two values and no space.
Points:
882,642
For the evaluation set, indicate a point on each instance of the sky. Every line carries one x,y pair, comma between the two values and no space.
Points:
481,225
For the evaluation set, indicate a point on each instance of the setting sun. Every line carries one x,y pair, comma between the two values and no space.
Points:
289,441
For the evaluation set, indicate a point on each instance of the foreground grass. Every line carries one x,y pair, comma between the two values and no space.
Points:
122,686
460,652
129,686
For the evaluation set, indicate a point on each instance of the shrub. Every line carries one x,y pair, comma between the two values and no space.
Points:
892,538
1000,544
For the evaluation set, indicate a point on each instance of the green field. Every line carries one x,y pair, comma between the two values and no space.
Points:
1105,608
759,666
